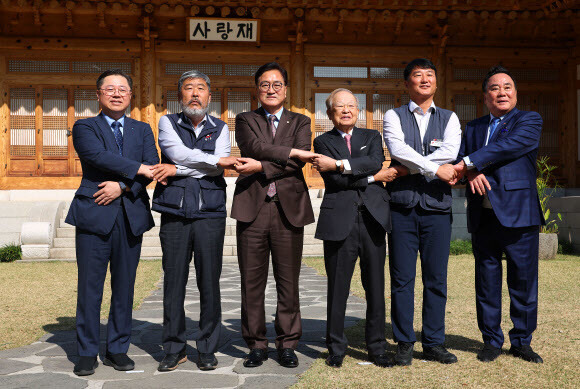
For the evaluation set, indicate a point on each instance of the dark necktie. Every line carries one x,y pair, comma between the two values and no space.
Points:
347,139
272,127
116,126
492,127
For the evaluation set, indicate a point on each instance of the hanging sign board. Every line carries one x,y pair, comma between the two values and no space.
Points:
223,30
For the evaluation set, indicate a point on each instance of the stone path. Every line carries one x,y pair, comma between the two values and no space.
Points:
48,363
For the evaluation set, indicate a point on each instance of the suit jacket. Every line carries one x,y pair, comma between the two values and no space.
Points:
345,191
95,144
255,141
509,164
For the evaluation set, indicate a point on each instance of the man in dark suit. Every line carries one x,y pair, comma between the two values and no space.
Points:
354,219
272,206
498,154
111,212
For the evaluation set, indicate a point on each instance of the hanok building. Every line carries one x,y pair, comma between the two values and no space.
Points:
52,51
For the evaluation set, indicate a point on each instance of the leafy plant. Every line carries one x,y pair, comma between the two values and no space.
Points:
458,247
545,193
10,253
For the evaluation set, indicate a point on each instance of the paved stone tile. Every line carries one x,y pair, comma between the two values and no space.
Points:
49,362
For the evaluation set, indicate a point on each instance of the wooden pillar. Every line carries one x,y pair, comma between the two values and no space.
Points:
569,134
147,75
4,114
297,80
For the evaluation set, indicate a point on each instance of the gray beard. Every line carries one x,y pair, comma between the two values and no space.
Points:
193,113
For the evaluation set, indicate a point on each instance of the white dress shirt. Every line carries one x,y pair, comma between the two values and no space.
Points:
346,164
426,165
193,162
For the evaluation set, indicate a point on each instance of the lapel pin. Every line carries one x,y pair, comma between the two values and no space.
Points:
288,122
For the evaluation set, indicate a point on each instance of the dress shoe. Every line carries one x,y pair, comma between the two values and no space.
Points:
119,361
488,353
381,360
86,366
256,357
439,354
526,353
404,355
287,358
206,361
170,361
334,360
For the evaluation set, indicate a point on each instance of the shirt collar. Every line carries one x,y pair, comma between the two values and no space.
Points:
413,106
491,117
201,124
343,134
277,114
110,120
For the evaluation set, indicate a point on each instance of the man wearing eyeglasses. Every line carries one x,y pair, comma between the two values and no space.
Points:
271,205
111,212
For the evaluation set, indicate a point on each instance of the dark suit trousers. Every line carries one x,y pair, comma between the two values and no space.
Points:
271,233
180,238
521,248
429,233
121,249
367,241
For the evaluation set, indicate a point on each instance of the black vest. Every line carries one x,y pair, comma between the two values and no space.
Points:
431,194
181,196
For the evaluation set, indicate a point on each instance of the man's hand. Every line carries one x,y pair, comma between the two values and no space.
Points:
322,163
109,191
460,170
248,166
401,170
146,170
446,172
386,174
162,171
477,182
227,162
303,155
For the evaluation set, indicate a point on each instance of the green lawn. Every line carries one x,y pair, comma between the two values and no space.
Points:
556,338
42,295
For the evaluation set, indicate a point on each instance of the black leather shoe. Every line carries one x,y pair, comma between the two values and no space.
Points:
488,353
86,366
170,361
381,360
526,353
404,355
438,354
120,361
206,361
334,360
256,357
287,358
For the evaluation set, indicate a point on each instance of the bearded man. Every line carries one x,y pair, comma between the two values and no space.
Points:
191,197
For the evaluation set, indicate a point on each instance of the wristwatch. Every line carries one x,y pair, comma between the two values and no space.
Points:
338,164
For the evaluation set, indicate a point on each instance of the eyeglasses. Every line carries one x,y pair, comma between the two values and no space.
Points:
265,86
342,106
110,91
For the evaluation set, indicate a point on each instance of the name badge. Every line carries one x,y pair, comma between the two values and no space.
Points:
436,143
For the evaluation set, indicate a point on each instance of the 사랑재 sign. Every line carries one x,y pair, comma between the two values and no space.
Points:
223,30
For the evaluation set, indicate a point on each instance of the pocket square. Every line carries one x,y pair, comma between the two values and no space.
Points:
362,147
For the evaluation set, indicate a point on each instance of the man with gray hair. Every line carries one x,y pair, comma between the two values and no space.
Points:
191,197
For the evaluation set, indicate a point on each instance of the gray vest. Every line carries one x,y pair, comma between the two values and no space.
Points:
408,191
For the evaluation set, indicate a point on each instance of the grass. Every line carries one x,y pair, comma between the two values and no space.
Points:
556,339
39,296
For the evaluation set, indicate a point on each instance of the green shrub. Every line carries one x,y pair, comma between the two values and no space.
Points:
458,247
10,253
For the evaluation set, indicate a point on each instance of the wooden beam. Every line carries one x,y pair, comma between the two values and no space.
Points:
73,45
4,115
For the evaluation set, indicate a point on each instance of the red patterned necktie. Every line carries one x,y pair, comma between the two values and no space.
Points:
272,187
347,139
